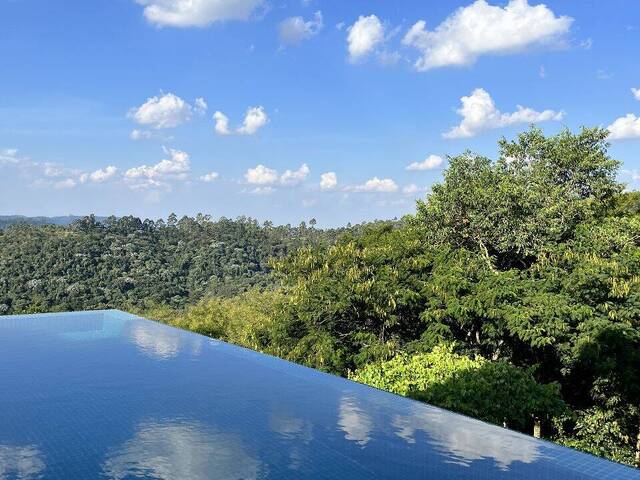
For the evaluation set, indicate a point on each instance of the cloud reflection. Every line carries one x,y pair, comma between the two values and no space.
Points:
354,422
21,462
156,342
464,440
178,450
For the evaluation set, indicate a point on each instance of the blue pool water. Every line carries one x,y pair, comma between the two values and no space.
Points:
109,395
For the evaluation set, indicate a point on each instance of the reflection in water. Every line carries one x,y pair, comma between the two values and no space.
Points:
299,431
24,463
163,343
177,450
290,427
156,342
465,440
354,422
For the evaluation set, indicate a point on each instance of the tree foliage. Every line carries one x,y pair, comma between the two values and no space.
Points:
497,392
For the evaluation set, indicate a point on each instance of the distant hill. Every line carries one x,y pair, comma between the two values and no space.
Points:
6,220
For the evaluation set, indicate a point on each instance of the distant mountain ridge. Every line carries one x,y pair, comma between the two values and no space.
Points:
7,220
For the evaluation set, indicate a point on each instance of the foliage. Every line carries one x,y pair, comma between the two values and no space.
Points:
127,262
600,431
359,296
496,392
248,319
534,195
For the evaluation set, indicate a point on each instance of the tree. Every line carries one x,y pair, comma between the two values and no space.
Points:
497,392
534,195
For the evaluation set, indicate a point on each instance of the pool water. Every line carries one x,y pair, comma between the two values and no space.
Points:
110,395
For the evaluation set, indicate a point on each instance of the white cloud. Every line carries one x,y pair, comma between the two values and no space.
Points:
162,174
636,93
209,177
52,170
99,176
294,30
410,189
140,134
200,105
480,29
364,36
166,111
196,13
385,185
266,176
328,181
624,128
261,175
54,174
64,184
254,119
222,123
479,113
10,151
429,163
291,178
9,155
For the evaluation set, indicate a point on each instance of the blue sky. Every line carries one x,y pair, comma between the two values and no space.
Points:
320,107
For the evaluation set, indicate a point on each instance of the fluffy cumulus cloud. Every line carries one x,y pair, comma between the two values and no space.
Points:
481,29
429,163
291,178
364,36
261,175
197,13
162,174
222,123
328,181
479,113
209,177
294,30
165,111
377,185
624,128
99,176
254,120
269,177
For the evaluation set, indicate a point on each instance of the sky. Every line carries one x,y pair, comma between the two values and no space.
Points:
287,110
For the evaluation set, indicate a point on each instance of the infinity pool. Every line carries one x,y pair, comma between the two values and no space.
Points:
110,395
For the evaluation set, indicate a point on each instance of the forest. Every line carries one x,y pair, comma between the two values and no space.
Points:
511,294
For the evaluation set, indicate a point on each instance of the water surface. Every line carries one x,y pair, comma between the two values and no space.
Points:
109,395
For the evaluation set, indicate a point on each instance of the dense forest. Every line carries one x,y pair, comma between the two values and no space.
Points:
130,263
512,294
